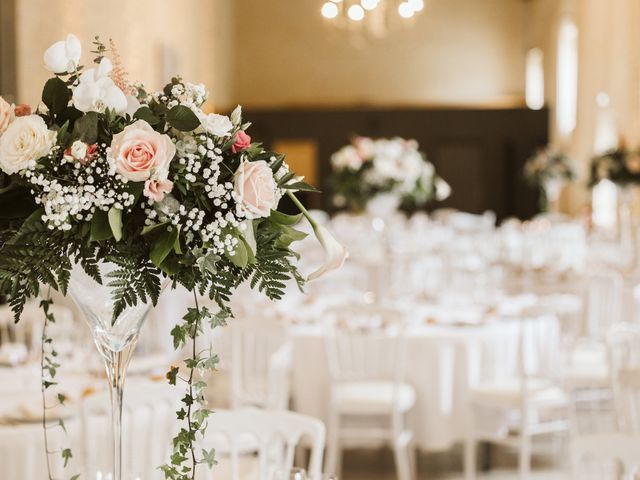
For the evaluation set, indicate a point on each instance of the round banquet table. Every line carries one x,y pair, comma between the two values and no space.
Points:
443,362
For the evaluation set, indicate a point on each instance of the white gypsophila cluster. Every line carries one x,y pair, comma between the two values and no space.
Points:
201,158
190,95
64,203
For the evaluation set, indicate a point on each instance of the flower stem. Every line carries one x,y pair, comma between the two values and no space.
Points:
194,357
302,209
42,386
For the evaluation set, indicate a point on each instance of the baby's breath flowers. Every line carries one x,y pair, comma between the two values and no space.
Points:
155,185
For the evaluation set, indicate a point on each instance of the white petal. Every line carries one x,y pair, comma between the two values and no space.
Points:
73,49
88,75
85,95
443,190
55,58
132,105
104,69
115,98
334,253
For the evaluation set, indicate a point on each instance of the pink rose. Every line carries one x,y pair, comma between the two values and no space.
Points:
157,189
22,110
242,141
256,188
6,114
139,151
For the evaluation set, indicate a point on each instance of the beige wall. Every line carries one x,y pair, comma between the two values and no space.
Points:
156,39
458,52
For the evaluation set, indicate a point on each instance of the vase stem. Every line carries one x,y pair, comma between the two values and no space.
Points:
116,364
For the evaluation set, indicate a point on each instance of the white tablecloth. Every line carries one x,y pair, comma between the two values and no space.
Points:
442,363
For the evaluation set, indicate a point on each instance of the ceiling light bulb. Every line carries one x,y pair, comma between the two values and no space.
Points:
356,13
329,10
416,5
369,4
405,10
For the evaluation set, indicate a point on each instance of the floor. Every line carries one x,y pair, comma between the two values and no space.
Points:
378,465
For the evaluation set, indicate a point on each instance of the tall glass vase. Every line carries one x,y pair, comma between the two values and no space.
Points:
115,339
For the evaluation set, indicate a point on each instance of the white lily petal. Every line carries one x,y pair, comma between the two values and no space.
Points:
104,68
132,105
115,99
55,59
73,49
335,253
84,95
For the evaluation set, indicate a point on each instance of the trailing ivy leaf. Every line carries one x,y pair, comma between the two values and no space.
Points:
172,374
182,118
145,113
115,223
163,245
86,128
100,228
280,218
209,457
56,95
66,455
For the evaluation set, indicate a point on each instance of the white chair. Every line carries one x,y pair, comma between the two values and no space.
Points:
620,445
365,348
148,422
260,362
271,436
588,370
532,396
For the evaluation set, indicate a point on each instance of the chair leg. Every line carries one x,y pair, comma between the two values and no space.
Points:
470,458
333,460
403,461
524,458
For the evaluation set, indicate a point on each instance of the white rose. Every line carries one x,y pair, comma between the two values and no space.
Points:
26,140
255,188
218,125
79,150
6,114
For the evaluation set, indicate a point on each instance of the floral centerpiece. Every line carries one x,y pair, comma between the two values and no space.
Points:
620,165
549,170
106,187
393,169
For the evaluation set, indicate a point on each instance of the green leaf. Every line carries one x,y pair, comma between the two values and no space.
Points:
115,222
209,457
284,219
56,95
66,455
145,113
86,128
182,118
240,258
301,187
100,228
151,228
163,245
172,374
289,235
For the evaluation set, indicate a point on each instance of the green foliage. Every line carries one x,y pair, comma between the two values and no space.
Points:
182,118
56,95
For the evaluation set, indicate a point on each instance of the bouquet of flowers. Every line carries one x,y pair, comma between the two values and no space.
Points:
104,171
549,170
393,168
620,165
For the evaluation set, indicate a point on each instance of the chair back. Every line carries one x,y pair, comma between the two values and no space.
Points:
272,436
624,359
364,343
259,362
148,418
604,303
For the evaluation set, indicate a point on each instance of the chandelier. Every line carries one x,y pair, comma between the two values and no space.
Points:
373,16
